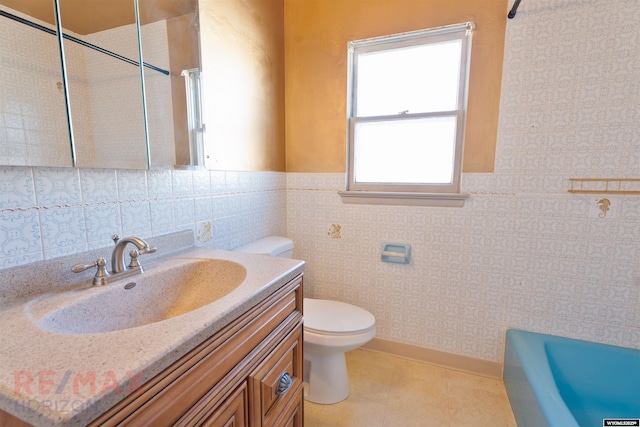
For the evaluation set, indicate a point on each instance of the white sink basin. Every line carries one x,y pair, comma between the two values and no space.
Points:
159,294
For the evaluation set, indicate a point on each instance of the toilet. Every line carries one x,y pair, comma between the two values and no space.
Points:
331,328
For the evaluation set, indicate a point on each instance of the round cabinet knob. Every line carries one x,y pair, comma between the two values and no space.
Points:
284,384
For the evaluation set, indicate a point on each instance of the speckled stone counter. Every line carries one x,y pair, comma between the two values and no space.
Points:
68,379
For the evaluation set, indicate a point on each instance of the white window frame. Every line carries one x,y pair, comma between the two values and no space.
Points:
399,193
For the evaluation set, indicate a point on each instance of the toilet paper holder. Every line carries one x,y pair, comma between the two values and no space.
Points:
399,253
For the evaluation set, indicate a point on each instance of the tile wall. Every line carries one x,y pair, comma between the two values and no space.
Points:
50,212
522,252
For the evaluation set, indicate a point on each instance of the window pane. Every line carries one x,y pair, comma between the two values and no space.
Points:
409,151
416,79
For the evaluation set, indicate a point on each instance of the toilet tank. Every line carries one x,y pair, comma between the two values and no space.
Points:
273,245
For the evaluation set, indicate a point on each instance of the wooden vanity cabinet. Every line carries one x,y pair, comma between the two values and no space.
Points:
234,378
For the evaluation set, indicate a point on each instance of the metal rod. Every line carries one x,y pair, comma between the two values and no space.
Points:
514,9
63,69
81,42
142,85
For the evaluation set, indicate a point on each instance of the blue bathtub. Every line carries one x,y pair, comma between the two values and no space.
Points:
562,382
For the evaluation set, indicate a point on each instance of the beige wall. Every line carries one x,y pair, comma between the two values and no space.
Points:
243,83
316,36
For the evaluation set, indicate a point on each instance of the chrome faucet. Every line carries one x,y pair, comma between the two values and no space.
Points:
117,260
117,256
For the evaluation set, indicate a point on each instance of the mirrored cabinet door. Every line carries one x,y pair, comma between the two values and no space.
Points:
170,41
33,119
118,116
105,93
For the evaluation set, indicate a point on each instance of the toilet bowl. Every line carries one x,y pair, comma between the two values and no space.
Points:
330,329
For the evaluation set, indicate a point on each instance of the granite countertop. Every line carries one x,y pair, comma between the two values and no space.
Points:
61,379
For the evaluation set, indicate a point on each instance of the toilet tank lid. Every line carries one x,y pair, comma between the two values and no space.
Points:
272,245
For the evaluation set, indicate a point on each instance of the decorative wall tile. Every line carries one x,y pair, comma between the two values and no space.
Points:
204,233
136,219
90,224
102,222
62,228
219,207
182,181
159,182
132,184
203,210
98,185
57,186
244,181
201,182
16,188
184,211
232,182
218,182
19,234
162,217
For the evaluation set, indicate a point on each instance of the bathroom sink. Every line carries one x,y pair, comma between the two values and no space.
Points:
159,294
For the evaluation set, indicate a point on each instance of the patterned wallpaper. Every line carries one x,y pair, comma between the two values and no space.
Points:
522,252
50,212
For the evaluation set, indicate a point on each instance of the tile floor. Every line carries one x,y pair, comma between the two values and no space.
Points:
387,391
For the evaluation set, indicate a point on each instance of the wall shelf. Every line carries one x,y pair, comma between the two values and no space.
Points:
605,186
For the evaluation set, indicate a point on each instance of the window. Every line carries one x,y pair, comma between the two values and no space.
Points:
406,104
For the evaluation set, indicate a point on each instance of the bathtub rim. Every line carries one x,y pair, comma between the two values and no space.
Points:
530,348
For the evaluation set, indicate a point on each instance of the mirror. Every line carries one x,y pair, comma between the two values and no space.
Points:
171,35
33,119
104,85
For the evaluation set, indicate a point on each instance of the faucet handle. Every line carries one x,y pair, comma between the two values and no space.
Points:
77,268
101,275
134,263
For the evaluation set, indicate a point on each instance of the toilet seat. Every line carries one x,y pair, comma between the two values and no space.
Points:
336,318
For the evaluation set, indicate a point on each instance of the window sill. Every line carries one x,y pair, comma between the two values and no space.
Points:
454,200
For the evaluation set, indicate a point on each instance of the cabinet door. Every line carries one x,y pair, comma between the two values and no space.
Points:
232,413
294,416
277,381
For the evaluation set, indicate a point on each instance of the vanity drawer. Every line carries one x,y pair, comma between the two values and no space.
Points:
276,380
